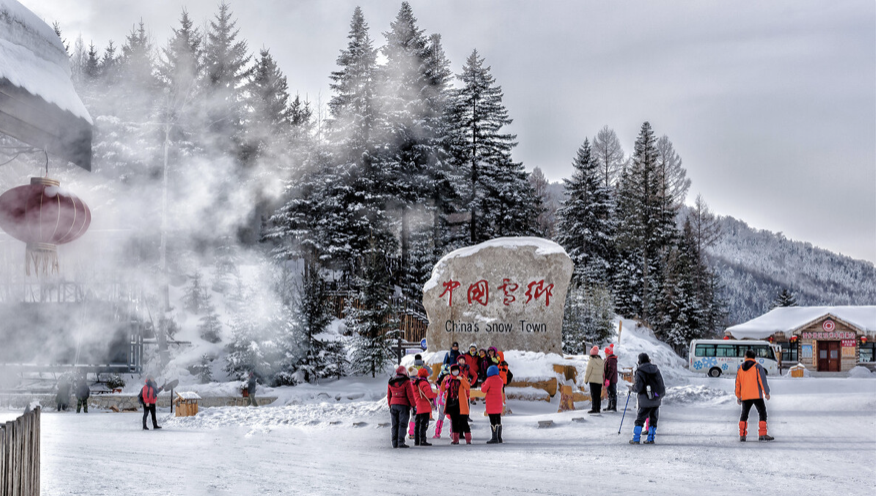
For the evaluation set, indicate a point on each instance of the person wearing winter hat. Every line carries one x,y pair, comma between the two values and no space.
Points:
751,390
594,375
458,389
418,365
471,359
649,389
400,398
484,363
425,396
492,389
440,401
466,370
452,355
610,381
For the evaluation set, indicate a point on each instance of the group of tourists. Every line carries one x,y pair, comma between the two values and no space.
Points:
461,372
80,388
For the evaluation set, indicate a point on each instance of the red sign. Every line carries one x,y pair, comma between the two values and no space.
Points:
828,325
449,286
479,292
829,335
848,343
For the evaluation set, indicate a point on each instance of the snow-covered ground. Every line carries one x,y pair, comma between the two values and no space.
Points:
824,429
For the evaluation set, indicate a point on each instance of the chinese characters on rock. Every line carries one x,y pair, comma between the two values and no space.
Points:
479,292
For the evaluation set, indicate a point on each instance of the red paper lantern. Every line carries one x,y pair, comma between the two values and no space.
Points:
43,215
863,339
793,339
770,339
726,338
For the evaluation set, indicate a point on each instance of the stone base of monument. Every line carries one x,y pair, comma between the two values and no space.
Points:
526,394
549,385
543,424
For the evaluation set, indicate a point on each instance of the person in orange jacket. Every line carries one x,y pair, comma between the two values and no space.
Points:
751,389
424,396
458,389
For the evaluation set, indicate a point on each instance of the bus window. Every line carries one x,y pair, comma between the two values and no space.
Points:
764,352
726,350
705,350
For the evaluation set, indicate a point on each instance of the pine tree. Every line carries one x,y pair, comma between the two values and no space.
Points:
682,317
194,297
57,27
209,326
269,118
784,298
315,319
370,317
91,70
109,64
608,155
205,375
225,60
586,227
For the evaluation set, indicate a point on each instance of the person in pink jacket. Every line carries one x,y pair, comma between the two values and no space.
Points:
440,401
425,397
492,389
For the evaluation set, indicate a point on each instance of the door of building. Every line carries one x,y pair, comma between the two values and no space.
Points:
828,356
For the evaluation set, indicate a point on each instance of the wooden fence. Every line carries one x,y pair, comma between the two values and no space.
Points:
20,455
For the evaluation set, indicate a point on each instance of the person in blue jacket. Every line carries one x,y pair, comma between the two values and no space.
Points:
452,356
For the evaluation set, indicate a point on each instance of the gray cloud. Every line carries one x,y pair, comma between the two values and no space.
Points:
772,105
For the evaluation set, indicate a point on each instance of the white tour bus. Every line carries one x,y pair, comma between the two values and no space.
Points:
722,356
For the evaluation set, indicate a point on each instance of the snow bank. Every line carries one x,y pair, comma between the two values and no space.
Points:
636,339
311,414
861,373
685,395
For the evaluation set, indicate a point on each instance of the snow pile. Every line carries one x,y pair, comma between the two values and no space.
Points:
861,373
636,339
685,395
310,414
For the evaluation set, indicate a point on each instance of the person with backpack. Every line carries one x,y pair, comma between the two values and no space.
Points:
751,390
452,356
649,389
492,389
458,389
594,376
148,397
83,392
425,398
400,398
611,378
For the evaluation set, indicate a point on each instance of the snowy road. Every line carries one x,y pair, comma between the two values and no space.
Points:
825,430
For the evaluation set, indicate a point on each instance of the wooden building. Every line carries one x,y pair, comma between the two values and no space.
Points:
823,339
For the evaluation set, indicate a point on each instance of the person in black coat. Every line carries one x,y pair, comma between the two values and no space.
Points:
251,388
82,394
649,389
63,396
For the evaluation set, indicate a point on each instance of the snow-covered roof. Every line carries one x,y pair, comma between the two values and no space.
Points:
188,395
34,59
789,319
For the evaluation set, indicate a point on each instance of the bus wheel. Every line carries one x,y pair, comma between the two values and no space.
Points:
715,372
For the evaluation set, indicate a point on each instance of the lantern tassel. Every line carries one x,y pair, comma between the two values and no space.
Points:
43,257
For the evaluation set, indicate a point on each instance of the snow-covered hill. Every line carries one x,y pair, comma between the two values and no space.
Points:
754,265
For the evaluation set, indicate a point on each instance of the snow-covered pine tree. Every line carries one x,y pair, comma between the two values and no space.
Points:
369,315
257,330
195,294
573,321
315,319
785,298
335,363
205,375
511,206
209,325
586,226
707,232
91,69
546,220
681,316
608,155
587,317
269,118
109,64
226,59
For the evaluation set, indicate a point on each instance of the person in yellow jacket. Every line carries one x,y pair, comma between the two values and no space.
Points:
751,389
594,375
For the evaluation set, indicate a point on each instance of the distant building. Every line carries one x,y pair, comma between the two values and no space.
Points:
824,339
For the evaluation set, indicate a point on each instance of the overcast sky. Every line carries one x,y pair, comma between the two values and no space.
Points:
772,105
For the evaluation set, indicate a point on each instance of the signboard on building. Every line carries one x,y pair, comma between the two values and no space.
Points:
508,293
806,350
826,336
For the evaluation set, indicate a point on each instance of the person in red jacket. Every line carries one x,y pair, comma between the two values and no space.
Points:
471,359
492,389
466,371
425,396
148,398
610,369
400,398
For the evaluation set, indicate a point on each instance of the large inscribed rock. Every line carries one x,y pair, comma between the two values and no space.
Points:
506,292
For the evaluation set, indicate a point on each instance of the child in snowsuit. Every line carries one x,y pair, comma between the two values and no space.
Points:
424,396
440,401
611,378
458,388
400,398
751,389
594,376
649,389
492,389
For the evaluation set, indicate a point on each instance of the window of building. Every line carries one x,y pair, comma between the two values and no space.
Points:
867,353
789,352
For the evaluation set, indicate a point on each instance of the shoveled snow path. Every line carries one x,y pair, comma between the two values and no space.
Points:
824,429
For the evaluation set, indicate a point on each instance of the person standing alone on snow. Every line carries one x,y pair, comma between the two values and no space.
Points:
594,376
649,389
148,398
492,389
751,389
82,394
611,378
400,397
251,388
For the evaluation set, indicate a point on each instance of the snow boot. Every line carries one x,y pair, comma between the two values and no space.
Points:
637,435
468,438
423,441
651,432
145,428
495,438
438,425
762,432
154,427
499,432
454,438
403,445
743,431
